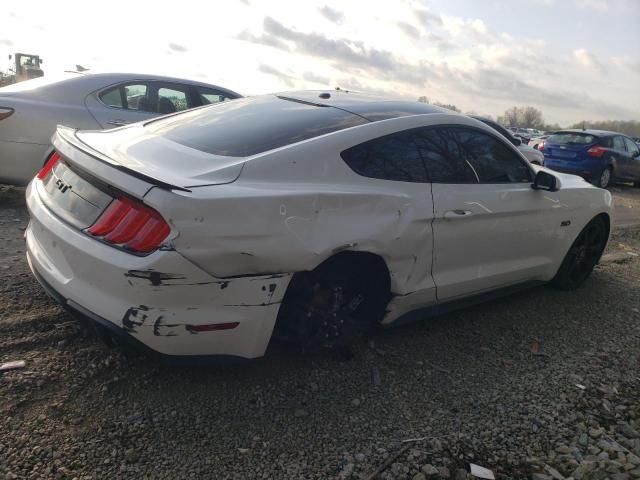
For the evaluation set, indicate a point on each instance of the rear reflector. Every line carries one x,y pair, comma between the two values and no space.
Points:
211,327
5,112
53,159
596,151
131,225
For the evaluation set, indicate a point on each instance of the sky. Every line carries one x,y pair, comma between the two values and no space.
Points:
572,59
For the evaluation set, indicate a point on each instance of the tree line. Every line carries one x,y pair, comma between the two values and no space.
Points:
531,117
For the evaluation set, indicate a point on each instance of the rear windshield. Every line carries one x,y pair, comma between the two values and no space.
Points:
572,138
249,126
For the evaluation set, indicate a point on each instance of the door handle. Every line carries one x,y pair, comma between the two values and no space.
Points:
117,123
458,213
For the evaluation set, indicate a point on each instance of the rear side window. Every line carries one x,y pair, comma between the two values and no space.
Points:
112,98
392,157
572,138
250,126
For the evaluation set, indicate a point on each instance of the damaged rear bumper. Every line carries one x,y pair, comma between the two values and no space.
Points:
161,303
112,334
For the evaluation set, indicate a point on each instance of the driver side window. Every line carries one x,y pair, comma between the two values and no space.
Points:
467,155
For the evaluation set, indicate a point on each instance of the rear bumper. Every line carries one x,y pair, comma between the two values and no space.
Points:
158,303
581,170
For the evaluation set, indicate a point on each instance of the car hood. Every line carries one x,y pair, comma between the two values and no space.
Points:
134,148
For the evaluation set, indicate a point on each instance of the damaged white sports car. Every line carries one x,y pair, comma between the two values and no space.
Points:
308,214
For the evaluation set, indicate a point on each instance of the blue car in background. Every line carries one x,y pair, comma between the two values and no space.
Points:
596,155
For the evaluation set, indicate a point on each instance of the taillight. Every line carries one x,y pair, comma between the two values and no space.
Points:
5,112
53,160
596,151
131,225
541,147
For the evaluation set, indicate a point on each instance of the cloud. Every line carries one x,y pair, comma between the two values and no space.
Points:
588,59
484,70
176,47
597,5
6,42
288,80
268,40
627,62
315,78
331,14
426,18
409,30
349,54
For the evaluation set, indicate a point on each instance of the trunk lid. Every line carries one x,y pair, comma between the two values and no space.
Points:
153,157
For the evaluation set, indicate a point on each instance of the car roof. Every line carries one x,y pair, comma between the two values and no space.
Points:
85,83
371,107
589,131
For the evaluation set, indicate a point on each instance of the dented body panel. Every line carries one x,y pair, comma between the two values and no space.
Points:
157,299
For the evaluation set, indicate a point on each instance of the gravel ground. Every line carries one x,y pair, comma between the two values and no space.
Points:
541,385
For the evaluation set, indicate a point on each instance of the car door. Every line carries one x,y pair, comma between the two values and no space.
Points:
395,167
621,157
490,228
121,104
634,159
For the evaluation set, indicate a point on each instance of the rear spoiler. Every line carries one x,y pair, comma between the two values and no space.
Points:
69,136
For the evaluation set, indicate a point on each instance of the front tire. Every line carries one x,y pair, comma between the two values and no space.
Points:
582,257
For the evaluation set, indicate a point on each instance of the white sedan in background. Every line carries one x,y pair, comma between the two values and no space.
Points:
30,110
307,214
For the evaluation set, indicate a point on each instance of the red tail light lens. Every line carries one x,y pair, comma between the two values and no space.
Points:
53,159
131,225
5,112
596,151
541,147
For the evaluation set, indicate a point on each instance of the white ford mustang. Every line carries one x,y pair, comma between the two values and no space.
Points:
307,214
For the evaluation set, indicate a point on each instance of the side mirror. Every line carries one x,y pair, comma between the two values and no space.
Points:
545,181
516,141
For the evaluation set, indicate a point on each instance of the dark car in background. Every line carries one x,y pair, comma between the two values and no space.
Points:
596,155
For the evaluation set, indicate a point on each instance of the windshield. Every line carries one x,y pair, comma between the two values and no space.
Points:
572,138
252,125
